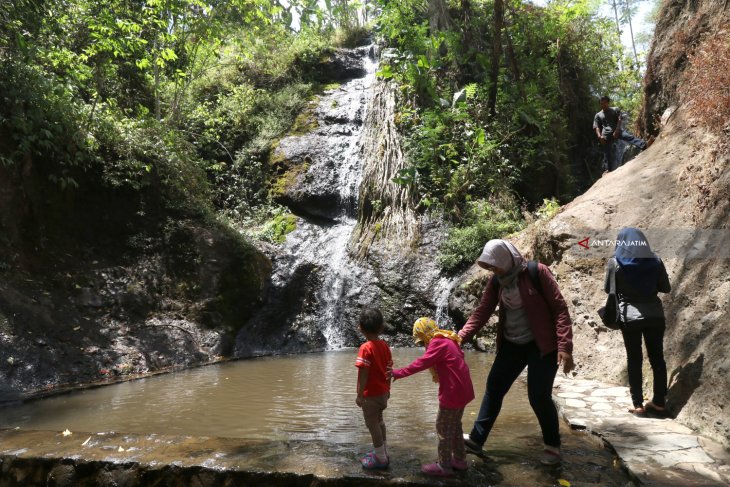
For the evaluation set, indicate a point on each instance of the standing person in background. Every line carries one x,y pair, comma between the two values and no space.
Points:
534,331
639,275
445,360
608,126
373,385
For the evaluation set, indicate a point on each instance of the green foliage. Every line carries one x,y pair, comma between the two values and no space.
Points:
278,226
548,209
555,63
276,56
154,93
146,154
483,221
43,121
351,37
454,159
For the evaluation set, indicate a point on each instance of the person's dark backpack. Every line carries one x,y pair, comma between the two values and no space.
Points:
534,277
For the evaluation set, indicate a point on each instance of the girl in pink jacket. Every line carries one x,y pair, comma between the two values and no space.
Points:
446,360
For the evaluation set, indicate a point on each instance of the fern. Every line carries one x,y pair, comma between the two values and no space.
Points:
470,90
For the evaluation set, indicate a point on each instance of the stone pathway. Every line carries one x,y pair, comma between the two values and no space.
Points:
655,451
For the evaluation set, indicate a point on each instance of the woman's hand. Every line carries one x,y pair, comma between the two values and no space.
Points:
566,360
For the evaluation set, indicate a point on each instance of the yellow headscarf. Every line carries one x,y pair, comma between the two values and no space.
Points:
424,329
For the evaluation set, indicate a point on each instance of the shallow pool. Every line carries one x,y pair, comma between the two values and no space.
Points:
311,397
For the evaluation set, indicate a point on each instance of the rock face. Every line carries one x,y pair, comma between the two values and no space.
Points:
117,317
682,26
322,166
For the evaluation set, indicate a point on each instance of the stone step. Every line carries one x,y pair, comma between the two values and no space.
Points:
655,451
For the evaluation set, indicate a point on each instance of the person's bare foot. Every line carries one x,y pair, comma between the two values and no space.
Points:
655,407
637,410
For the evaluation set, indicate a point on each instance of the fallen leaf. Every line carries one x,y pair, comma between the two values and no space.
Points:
564,482
66,432
87,440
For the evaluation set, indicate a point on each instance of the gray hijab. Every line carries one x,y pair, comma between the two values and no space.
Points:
502,254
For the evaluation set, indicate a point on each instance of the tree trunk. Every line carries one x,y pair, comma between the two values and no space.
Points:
631,31
618,30
156,71
515,67
467,24
438,16
496,55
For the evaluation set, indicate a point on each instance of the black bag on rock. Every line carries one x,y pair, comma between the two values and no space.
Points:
609,312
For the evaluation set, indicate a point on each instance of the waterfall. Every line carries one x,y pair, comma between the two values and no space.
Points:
441,295
312,274
359,240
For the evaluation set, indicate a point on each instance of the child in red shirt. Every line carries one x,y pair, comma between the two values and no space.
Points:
373,385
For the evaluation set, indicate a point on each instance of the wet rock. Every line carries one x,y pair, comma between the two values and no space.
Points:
344,64
118,478
90,298
62,476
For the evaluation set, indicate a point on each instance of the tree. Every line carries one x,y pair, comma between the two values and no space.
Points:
498,24
438,16
628,13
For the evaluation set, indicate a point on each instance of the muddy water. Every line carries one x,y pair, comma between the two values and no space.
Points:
310,397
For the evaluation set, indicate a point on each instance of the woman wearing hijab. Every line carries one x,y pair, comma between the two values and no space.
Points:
534,331
639,276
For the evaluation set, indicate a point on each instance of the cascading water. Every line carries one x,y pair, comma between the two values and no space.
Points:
441,295
326,245
325,197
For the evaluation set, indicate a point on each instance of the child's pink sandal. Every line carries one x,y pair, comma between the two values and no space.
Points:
436,470
459,465
370,461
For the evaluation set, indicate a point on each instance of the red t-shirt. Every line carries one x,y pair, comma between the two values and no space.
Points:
375,355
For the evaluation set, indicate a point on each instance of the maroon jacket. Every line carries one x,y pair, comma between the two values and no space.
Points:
548,314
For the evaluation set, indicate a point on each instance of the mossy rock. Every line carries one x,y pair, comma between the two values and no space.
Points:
278,227
306,122
216,267
284,183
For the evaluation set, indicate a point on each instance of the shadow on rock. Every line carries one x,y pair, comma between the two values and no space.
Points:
684,380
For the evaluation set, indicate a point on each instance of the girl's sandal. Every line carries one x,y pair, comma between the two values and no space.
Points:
370,462
436,470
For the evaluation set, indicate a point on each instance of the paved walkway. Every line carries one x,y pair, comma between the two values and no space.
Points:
655,451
